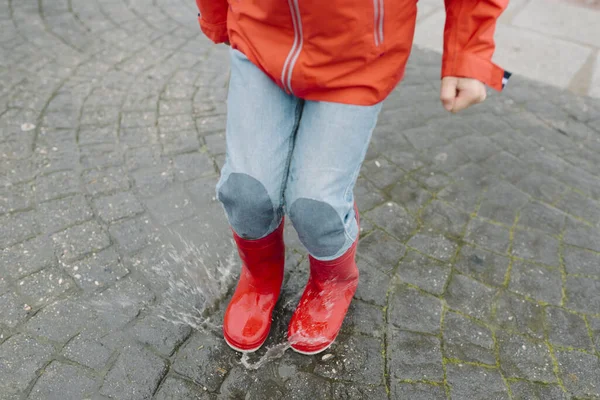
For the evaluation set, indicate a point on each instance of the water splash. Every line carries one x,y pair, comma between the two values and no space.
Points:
273,353
196,284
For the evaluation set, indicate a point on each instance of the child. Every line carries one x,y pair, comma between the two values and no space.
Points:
307,83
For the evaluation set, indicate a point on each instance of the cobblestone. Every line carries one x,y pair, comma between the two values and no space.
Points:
467,341
521,358
80,240
59,214
135,375
416,357
538,282
480,230
21,357
62,381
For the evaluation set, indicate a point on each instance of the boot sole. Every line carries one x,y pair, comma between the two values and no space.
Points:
252,350
312,353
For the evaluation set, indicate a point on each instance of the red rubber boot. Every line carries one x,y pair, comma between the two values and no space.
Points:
324,303
247,319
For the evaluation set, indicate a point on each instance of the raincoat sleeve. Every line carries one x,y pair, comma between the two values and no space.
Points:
213,19
469,41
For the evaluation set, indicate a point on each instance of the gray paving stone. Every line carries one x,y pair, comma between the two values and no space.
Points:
178,389
63,382
567,329
410,195
471,382
12,310
352,391
203,359
381,250
17,228
473,175
447,158
136,118
239,381
431,179
436,246
16,197
97,270
20,358
540,283
305,385
580,206
482,265
502,202
101,156
467,341
133,234
163,335
487,235
365,319
367,195
27,257
580,235
56,215
417,391
382,173
192,166
358,359
208,125
393,219
542,186
540,216
462,195
153,180
414,311
520,358
179,142
427,274
117,206
135,375
470,297
95,135
60,321
172,206
594,324
424,137
523,390
105,181
119,304
414,356
138,136
583,295
579,261
79,240
43,287
536,247
445,219
517,314
506,166
580,373
87,352
55,185
373,284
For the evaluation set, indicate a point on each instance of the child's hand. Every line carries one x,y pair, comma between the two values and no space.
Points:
460,93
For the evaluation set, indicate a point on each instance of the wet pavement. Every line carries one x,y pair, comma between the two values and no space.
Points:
479,253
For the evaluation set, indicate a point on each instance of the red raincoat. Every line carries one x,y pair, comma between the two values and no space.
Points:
352,52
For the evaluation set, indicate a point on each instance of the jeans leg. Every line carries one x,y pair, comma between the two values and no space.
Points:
331,144
261,124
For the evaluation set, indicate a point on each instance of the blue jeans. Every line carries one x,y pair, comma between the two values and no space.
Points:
287,155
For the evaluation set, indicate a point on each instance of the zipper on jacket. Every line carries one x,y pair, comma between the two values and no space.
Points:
378,6
292,58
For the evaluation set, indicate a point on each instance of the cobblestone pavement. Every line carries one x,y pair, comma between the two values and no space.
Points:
479,256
